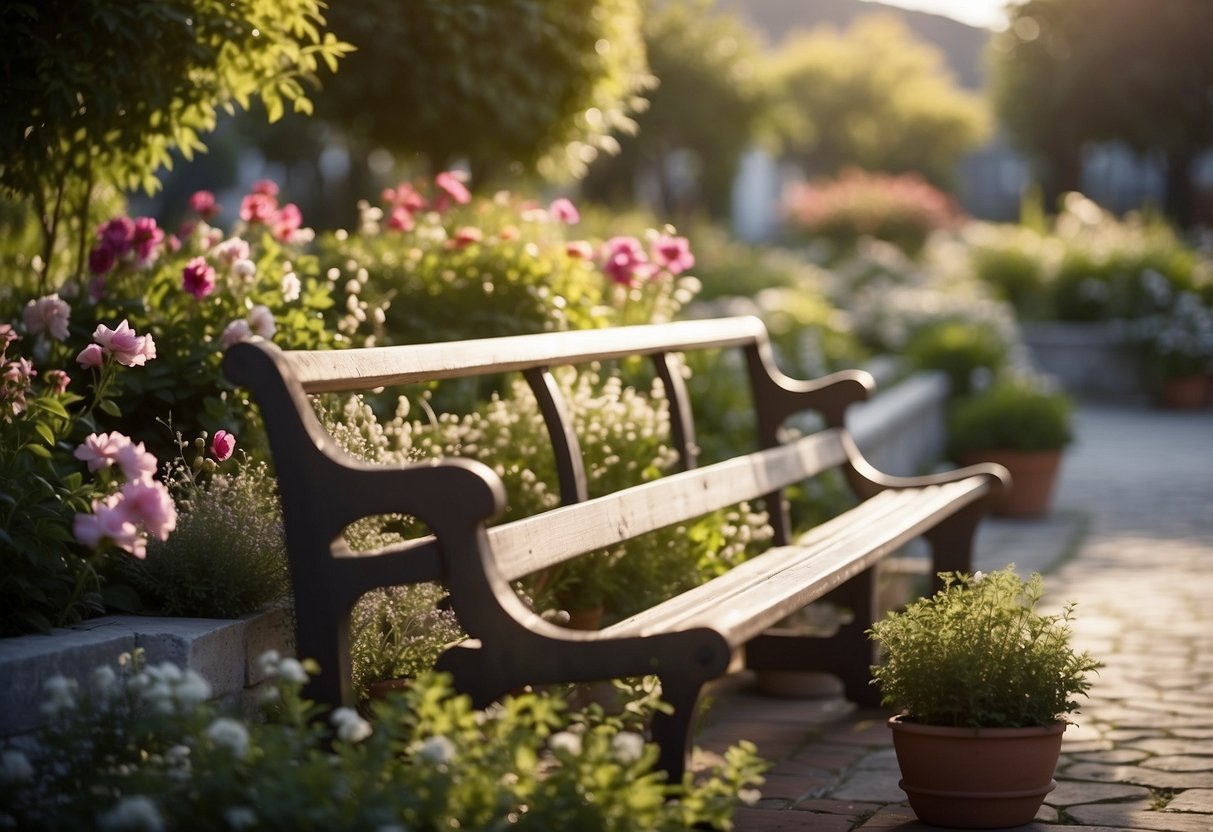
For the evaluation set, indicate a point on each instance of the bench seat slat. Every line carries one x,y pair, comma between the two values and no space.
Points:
534,543
755,595
326,371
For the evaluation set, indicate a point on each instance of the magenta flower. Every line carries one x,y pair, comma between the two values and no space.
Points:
404,196
563,210
401,219
222,445
48,314
91,356
203,204
101,258
673,253
128,348
623,259
198,278
451,190
146,238
118,234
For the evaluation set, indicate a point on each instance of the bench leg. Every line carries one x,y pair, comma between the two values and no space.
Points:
952,541
672,731
848,654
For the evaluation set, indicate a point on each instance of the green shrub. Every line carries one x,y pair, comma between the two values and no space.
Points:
142,748
960,350
978,654
1015,413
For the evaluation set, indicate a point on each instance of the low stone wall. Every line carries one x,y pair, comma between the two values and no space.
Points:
1087,359
224,652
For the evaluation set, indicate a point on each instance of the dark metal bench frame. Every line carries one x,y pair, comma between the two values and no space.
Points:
687,640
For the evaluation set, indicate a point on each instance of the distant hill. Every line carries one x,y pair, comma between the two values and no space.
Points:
962,45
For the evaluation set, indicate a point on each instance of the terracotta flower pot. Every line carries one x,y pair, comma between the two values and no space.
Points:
1186,392
1033,474
976,778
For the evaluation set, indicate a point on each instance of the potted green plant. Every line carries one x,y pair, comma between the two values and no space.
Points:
983,684
1022,424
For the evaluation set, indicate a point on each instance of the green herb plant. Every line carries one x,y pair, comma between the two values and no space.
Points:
978,654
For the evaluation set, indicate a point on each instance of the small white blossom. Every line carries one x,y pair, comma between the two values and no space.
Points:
103,679
292,671
230,734
15,767
193,689
350,726
978,576
437,750
244,269
566,741
235,332
268,662
291,287
60,694
749,796
261,321
628,746
136,813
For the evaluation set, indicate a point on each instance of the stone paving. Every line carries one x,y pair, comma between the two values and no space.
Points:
1131,541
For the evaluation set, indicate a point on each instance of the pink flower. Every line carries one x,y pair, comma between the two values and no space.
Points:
259,208
128,348
222,445
623,258
673,253
235,332
149,504
101,258
229,251
287,222
118,234
465,236
57,381
404,196
266,187
49,314
91,356
100,450
147,236
261,321
111,520
451,189
19,371
203,203
198,278
7,336
401,219
563,210
137,463
579,249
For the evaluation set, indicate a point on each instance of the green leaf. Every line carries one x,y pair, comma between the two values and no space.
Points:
110,407
43,430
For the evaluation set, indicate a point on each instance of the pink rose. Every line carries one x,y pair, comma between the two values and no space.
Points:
563,210
452,190
146,238
128,348
258,208
222,445
198,278
286,223
148,503
100,450
203,203
118,234
673,253
101,258
49,314
91,356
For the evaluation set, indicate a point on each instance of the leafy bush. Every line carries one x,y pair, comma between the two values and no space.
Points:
960,350
143,749
1015,413
900,209
978,654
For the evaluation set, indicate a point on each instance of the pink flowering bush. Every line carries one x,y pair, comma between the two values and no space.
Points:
446,264
902,209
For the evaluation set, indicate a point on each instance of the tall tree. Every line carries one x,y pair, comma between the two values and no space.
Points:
875,97
1069,72
707,107
497,83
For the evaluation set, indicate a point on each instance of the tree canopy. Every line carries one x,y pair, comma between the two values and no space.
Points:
873,96
706,109
1068,72
493,82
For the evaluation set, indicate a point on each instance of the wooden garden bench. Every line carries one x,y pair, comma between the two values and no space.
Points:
687,640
